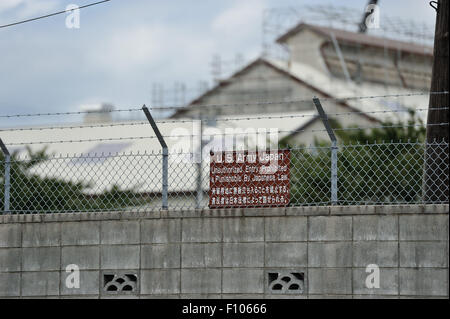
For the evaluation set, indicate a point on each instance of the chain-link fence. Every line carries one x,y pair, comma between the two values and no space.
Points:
368,174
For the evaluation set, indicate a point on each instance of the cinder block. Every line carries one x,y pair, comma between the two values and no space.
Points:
120,276
424,254
201,281
119,297
160,296
424,227
286,255
160,256
436,209
201,296
201,255
119,232
285,296
41,259
424,282
80,233
89,283
330,254
159,231
375,227
388,282
96,296
160,282
242,296
41,284
244,281
244,229
271,276
9,284
324,228
330,296
41,235
375,297
308,211
352,210
398,209
120,257
243,255
383,254
10,235
10,259
330,281
286,229
267,211
85,257
202,230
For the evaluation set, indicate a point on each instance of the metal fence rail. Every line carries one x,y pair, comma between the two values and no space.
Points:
368,174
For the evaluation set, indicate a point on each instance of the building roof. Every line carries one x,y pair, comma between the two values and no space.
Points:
359,38
277,67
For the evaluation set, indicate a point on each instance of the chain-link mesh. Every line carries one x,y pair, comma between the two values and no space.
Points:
369,174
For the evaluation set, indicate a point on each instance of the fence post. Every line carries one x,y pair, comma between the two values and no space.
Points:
165,158
199,195
7,176
334,148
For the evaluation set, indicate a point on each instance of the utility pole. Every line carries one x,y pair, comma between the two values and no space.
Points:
436,161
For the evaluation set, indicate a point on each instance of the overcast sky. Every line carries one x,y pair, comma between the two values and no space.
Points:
123,46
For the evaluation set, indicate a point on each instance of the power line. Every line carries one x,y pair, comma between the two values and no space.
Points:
52,14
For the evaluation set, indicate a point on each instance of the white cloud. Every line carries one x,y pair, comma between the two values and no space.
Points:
23,9
242,18
9,4
127,48
131,49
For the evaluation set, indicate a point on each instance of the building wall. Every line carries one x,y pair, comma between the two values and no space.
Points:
305,47
229,253
259,84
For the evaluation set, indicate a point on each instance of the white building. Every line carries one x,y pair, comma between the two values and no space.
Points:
330,64
267,94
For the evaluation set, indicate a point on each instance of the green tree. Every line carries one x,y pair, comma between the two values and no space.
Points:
379,165
33,193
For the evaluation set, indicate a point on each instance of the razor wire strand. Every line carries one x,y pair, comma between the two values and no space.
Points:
293,147
194,106
217,119
212,135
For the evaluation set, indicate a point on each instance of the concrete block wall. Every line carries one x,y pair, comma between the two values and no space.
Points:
230,253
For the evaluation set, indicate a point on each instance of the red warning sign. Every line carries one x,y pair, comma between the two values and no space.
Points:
249,179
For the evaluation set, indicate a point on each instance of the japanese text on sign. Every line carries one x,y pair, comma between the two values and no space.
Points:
249,179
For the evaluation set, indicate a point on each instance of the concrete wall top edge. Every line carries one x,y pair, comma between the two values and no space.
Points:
230,212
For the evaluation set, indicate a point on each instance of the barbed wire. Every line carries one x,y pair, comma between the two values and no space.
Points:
69,113
193,106
83,126
177,152
221,134
337,99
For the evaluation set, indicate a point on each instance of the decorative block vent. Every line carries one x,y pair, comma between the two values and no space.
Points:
120,283
286,282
